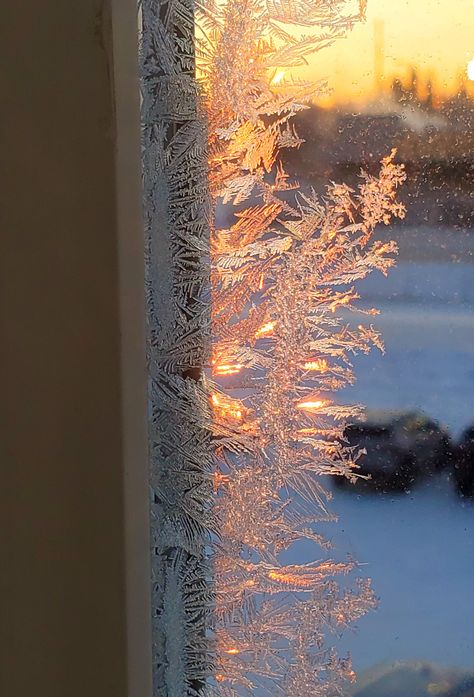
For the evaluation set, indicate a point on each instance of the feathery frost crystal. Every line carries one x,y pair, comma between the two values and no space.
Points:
237,456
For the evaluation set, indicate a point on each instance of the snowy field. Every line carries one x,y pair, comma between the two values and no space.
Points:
419,550
419,547
427,323
428,363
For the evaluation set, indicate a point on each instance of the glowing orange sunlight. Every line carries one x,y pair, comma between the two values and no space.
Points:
279,75
265,330
319,366
227,369
387,45
311,405
226,408
470,70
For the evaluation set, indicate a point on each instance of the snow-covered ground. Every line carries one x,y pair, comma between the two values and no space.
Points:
419,550
427,322
419,547
428,363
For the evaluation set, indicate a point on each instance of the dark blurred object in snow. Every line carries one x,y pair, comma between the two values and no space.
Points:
401,449
417,679
464,464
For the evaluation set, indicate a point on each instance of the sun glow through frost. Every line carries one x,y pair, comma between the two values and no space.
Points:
470,70
281,270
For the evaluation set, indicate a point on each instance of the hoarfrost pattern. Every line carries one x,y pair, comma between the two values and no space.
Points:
236,476
176,205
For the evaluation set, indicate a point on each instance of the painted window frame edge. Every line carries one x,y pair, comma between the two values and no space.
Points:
124,47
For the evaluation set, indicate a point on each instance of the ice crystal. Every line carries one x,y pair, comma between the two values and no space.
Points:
281,269
236,474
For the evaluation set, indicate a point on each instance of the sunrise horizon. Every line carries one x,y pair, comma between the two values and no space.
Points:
387,46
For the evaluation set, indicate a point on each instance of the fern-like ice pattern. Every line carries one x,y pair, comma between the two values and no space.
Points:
243,416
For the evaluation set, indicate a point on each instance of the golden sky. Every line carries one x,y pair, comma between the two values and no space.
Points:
437,36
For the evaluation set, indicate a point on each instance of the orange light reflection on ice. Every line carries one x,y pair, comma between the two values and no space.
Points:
319,365
290,579
218,479
311,404
278,77
226,407
339,302
383,249
228,368
265,330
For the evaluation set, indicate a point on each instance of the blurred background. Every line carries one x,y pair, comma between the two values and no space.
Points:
405,79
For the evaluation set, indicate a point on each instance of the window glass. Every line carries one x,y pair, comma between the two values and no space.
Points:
405,79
